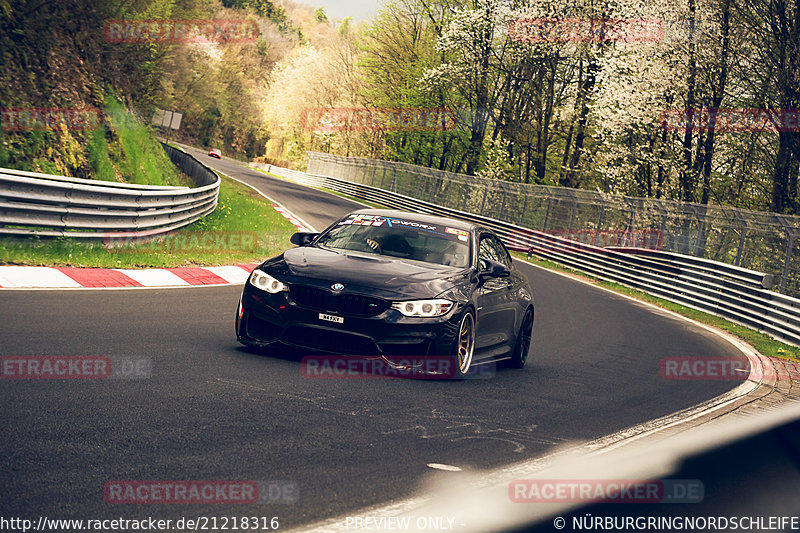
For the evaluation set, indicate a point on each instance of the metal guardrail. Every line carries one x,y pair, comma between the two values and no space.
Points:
756,240
47,205
735,293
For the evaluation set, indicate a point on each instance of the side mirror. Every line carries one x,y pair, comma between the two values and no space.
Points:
493,269
303,238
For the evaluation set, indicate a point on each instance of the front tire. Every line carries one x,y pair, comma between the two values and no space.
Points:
523,344
464,346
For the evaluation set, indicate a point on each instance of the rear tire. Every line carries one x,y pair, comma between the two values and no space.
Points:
523,344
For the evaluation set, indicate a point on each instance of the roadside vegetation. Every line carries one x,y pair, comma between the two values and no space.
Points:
622,109
243,229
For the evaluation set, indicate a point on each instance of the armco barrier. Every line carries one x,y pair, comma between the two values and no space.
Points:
46,205
725,290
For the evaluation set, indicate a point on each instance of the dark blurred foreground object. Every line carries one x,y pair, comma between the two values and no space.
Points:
748,469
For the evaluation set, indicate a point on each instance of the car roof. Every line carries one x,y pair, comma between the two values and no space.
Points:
416,217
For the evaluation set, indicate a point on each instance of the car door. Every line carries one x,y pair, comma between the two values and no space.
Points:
495,312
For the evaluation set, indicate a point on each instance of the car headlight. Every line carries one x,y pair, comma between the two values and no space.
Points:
265,282
423,308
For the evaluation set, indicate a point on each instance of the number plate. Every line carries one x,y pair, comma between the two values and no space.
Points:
331,318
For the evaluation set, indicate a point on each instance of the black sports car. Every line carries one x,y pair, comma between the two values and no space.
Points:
388,283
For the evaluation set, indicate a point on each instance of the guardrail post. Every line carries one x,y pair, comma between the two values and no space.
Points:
630,227
434,185
574,211
383,176
785,273
790,235
600,220
374,178
700,242
547,211
738,259
663,229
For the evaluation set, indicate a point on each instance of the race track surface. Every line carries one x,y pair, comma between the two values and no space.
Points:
213,410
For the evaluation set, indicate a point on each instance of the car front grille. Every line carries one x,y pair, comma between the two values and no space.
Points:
346,304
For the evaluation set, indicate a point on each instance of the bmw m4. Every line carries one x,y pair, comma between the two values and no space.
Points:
388,283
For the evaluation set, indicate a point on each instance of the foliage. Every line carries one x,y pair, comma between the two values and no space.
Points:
577,108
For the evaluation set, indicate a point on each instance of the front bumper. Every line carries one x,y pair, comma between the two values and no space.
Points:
268,319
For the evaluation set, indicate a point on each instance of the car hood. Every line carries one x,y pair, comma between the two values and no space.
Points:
361,273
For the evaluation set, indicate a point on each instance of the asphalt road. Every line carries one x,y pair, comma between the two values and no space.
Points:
212,410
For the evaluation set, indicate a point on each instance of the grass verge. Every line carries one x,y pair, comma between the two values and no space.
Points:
243,229
762,342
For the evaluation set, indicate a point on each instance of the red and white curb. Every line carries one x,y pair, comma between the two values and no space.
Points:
288,215
22,277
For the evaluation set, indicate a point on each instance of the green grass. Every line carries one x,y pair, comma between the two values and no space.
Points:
243,229
762,342
139,156
101,164
120,149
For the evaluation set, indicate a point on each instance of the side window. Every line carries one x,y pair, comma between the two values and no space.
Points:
502,252
491,248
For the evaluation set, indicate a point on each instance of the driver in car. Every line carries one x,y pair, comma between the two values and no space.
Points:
390,243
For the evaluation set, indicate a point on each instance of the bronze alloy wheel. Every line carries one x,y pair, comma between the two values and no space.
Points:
466,344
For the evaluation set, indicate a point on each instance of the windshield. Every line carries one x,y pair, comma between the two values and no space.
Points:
399,238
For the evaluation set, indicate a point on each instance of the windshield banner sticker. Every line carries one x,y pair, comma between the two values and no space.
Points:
460,233
399,223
